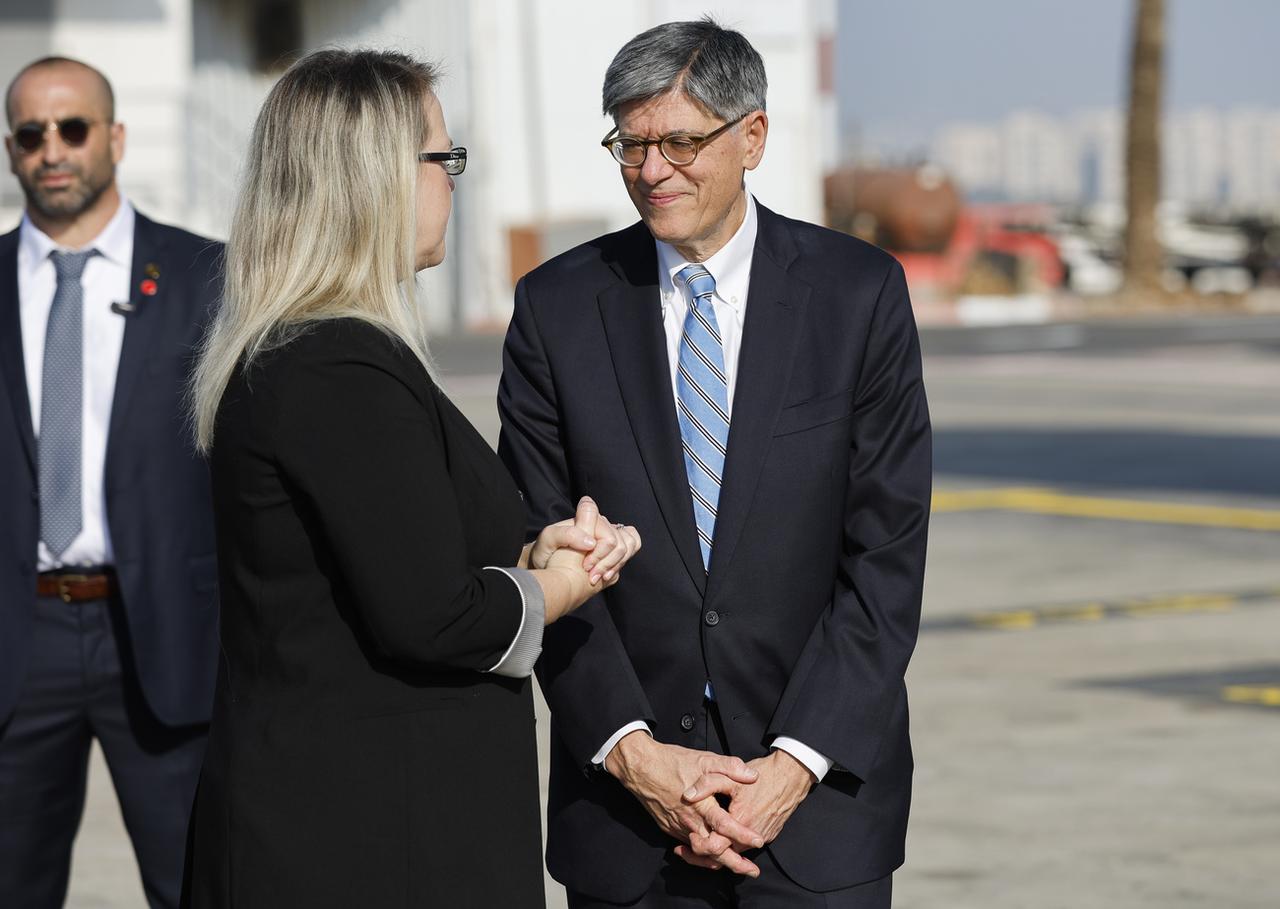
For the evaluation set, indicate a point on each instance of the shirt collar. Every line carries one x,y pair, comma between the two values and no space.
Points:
115,242
730,266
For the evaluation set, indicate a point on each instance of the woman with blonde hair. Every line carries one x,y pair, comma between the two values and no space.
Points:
372,741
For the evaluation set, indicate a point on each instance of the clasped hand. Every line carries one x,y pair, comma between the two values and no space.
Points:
763,806
587,551
679,788
666,778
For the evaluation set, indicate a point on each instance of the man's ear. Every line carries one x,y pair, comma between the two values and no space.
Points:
116,138
756,129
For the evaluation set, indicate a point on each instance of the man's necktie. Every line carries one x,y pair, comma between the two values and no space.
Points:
702,403
61,401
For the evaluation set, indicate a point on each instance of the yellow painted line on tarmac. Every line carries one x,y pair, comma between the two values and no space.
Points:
1261,695
1014,620
1173,605
1083,612
1034,500
1137,607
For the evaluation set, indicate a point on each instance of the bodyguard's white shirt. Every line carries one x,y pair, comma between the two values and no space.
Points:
105,280
731,269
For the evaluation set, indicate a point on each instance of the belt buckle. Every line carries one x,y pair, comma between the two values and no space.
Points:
64,584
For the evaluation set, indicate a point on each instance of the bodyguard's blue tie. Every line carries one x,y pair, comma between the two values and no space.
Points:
702,403
61,401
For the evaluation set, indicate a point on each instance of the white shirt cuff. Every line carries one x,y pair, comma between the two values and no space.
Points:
819,764
598,758
517,662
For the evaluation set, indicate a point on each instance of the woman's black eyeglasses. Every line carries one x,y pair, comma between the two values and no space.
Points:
73,131
454,161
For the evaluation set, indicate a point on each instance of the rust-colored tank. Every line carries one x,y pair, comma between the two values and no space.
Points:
903,209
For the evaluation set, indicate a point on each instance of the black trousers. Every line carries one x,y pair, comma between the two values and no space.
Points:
80,685
679,885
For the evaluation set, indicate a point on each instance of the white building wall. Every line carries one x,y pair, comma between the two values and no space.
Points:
973,155
1100,135
148,60
1252,158
1271,142
1197,137
1040,158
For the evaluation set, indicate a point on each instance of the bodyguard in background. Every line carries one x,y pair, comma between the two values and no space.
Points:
754,405
108,606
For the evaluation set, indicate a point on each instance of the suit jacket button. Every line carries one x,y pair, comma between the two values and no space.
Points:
712,618
686,722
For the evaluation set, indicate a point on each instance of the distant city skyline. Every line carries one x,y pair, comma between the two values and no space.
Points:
1221,160
906,69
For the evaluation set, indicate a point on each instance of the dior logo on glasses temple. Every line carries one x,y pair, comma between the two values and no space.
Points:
454,161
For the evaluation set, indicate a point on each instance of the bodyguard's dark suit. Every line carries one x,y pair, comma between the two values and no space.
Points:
808,615
160,519
158,506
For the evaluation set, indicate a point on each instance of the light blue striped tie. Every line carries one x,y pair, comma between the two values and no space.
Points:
61,400
702,403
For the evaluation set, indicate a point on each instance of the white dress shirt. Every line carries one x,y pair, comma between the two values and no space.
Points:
105,280
730,266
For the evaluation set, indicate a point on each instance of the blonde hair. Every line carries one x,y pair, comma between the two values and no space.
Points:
324,223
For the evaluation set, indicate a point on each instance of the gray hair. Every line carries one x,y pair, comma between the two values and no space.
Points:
716,67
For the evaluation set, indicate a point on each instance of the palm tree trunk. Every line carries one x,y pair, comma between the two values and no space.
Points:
1143,256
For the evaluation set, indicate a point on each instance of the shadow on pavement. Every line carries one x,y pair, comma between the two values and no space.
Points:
1112,459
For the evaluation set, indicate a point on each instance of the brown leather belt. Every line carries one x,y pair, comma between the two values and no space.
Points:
76,588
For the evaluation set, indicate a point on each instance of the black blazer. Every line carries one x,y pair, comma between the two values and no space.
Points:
358,757
157,488
808,616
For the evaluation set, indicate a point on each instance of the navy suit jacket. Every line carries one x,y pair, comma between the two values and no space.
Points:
808,615
159,510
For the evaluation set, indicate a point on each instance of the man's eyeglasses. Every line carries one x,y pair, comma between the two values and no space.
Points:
454,161
73,131
678,148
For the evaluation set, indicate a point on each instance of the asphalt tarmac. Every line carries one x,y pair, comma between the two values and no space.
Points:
1096,690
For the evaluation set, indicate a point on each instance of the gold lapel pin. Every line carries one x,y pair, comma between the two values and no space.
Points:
152,270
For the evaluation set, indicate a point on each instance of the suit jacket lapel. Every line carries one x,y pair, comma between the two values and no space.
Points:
12,363
775,310
142,325
632,316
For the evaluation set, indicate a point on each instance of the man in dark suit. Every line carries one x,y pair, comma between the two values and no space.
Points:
108,606
746,390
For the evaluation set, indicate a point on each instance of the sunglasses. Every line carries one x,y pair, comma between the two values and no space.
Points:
73,131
